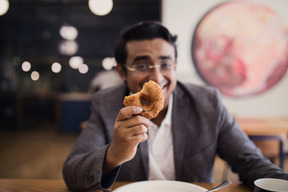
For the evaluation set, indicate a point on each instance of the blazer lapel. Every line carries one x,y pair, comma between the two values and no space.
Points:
143,148
178,131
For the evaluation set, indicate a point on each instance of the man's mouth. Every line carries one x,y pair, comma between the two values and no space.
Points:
162,85
164,88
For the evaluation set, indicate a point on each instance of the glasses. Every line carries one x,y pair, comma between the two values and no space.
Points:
145,68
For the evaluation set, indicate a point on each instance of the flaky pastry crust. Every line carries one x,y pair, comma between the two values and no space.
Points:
150,99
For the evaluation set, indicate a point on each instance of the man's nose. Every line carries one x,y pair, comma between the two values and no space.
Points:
156,74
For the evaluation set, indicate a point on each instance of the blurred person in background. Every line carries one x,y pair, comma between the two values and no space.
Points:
105,79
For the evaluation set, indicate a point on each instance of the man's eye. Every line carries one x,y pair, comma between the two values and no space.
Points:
141,67
165,66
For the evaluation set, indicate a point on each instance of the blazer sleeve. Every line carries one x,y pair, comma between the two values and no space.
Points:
82,169
239,151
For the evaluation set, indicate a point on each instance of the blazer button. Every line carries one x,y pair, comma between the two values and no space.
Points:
90,179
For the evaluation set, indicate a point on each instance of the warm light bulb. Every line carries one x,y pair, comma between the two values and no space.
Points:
68,32
56,67
68,47
100,7
4,6
83,68
108,63
35,75
26,66
75,62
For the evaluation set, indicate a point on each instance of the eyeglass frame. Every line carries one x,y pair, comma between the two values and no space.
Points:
150,67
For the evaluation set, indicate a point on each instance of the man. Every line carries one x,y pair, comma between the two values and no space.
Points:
179,144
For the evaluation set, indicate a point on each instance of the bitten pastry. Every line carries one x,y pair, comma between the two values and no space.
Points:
150,99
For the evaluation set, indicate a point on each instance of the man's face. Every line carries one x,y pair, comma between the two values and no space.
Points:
153,52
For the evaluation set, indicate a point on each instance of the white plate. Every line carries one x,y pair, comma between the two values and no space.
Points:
160,186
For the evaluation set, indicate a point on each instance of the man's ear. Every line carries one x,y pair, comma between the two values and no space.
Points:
121,72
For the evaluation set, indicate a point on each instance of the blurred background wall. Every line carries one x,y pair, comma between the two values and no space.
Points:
46,73
182,17
39,82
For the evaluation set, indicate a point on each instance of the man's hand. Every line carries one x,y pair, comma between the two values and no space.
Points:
129,130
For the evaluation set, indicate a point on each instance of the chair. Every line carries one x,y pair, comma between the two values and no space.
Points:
277,138
257,139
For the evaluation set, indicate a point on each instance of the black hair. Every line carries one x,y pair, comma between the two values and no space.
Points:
142,31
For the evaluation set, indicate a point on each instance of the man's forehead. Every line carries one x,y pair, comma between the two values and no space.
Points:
150,49
158,43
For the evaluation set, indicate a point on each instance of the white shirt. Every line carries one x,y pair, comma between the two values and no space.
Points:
161,154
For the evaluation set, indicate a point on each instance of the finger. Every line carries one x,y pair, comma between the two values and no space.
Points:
140,138
128,112
138,130
126,130
137,120
133,126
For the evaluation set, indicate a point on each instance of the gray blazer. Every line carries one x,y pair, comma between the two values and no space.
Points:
201,128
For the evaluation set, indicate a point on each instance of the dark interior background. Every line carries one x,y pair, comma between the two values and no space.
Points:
30,32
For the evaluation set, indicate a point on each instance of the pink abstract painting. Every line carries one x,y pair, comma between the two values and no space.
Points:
241,48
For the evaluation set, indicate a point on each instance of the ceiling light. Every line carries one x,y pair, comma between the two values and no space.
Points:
75,62
68,32
4,6
56,67
35,75
83,68
68,47
100,7
26,66
108,63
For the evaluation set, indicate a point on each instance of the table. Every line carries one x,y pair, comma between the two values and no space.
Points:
264,126
58,185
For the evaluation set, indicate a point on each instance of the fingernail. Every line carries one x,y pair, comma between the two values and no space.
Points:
139,109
